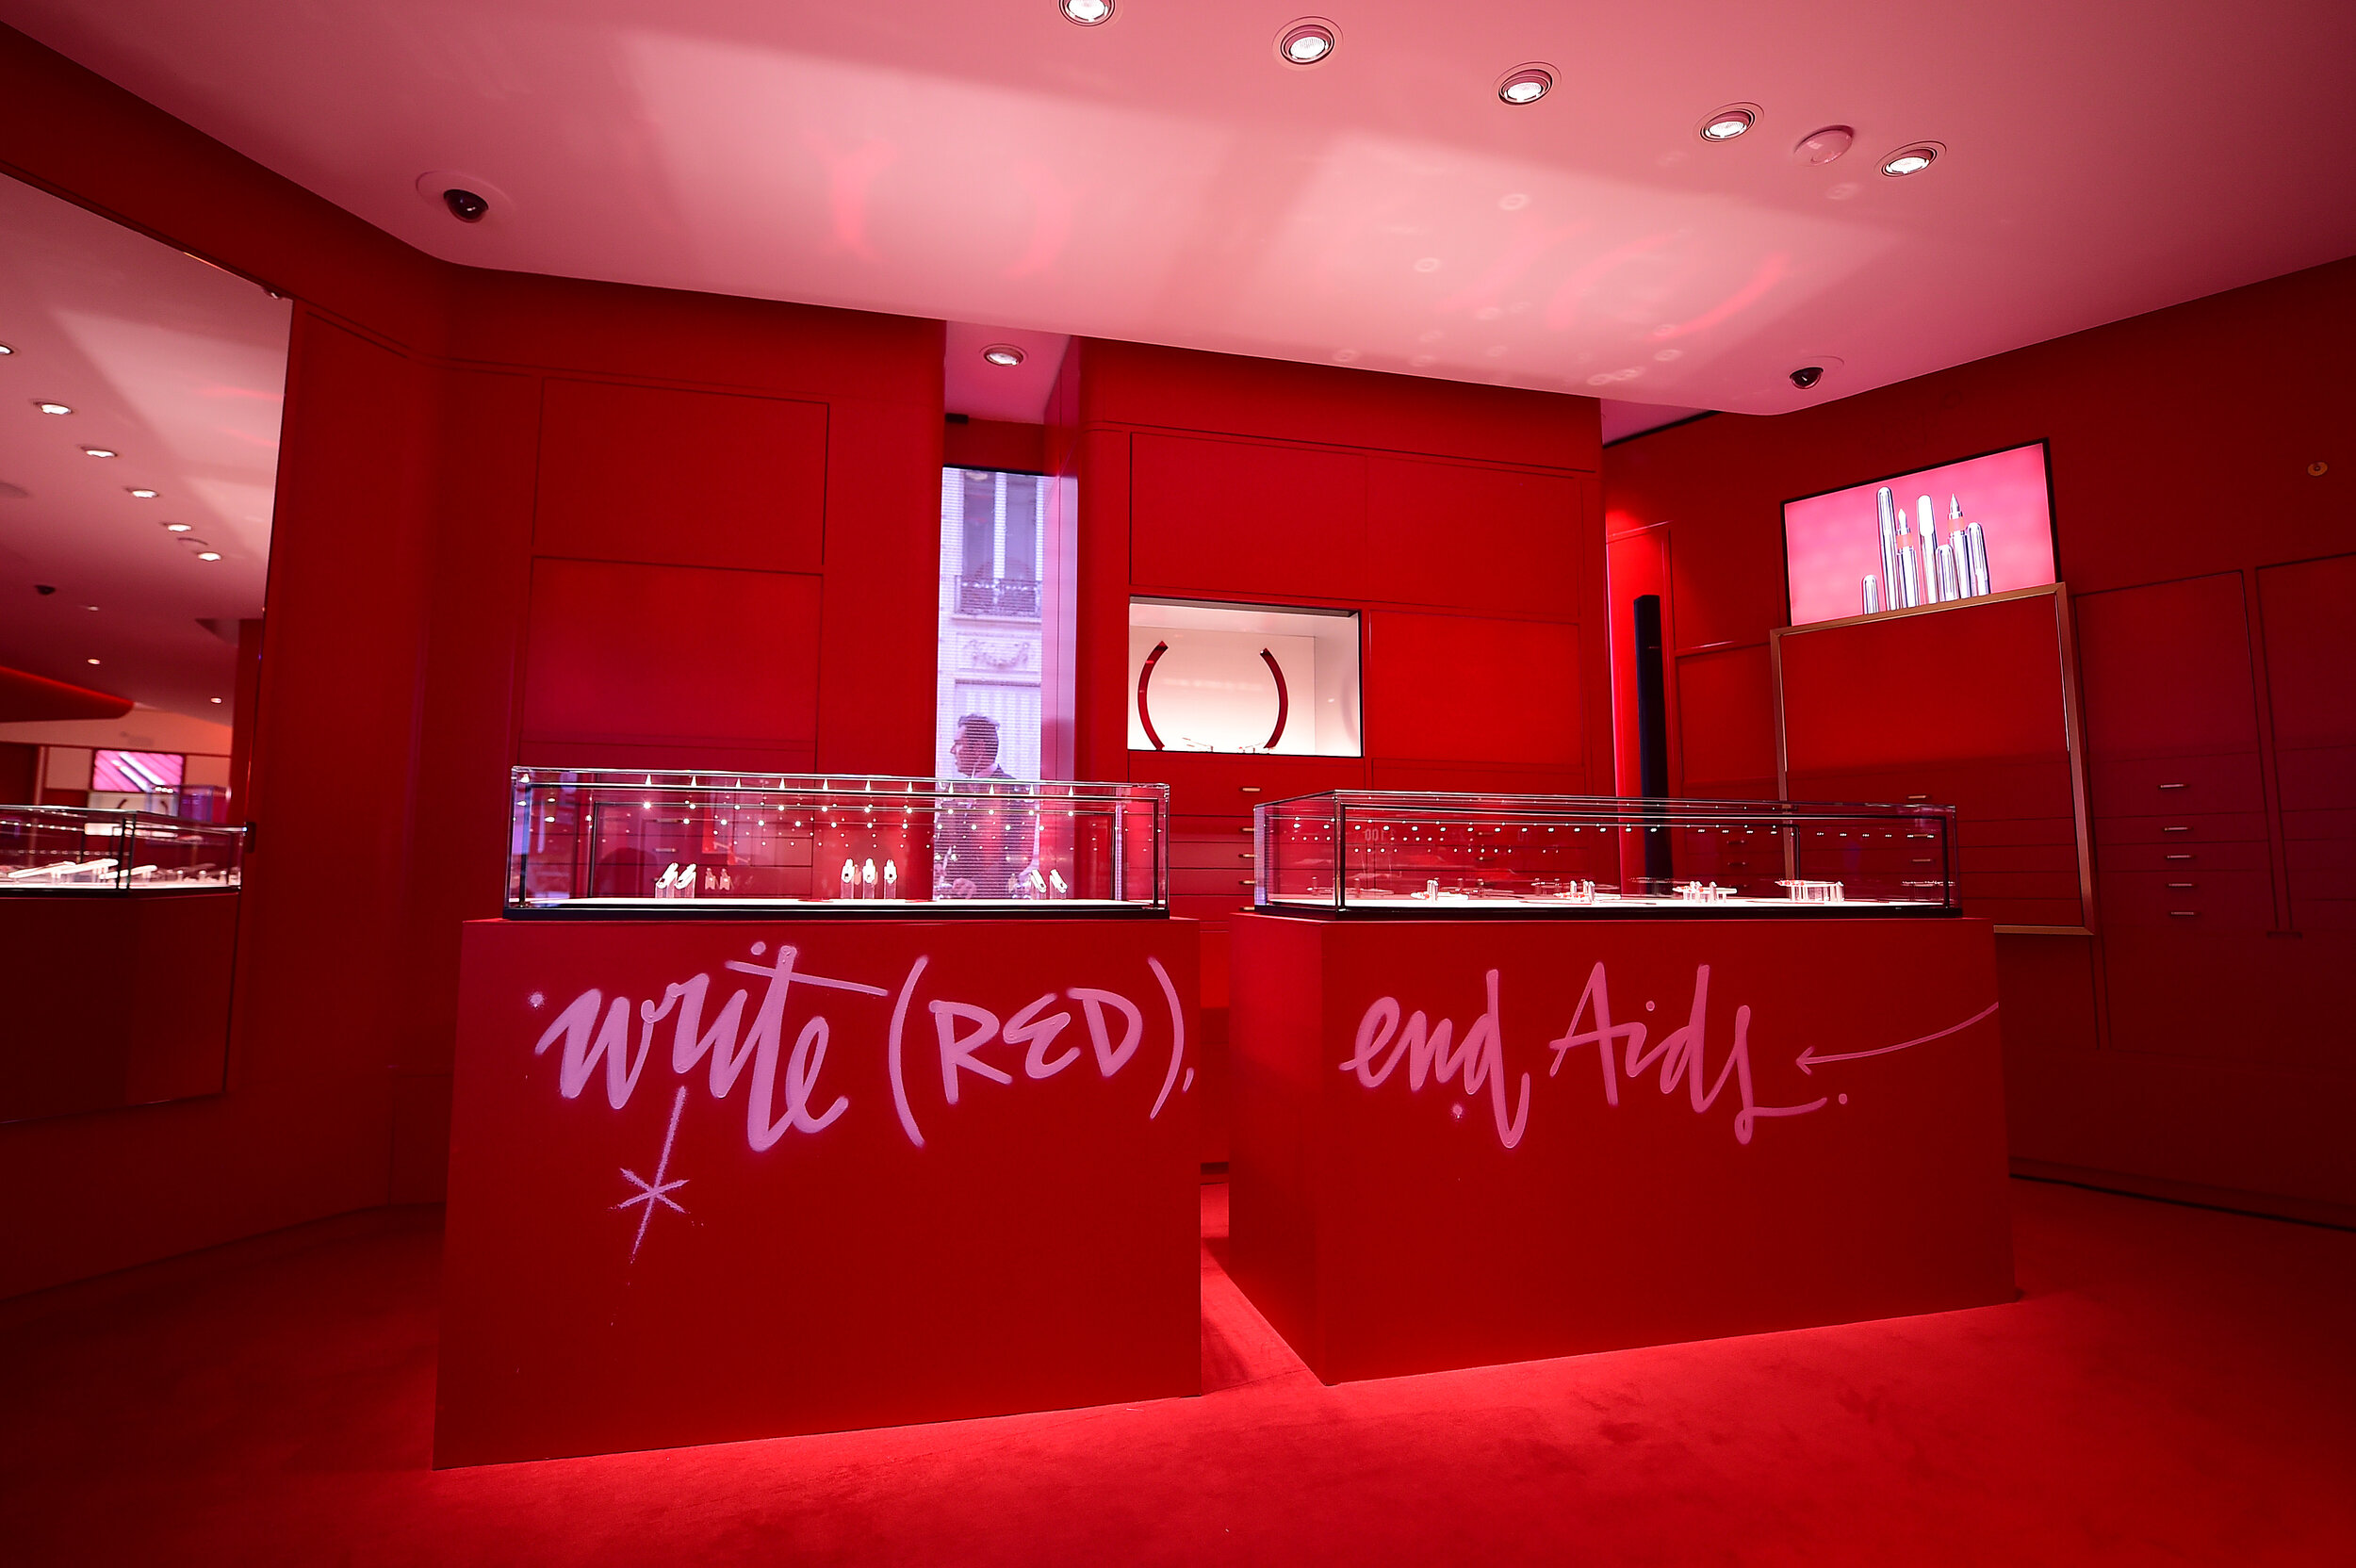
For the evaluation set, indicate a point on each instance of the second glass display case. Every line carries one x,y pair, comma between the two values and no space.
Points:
602,841
72,849
1398,853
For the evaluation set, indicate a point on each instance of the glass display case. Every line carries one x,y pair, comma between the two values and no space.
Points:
71,849
1358,851
614,841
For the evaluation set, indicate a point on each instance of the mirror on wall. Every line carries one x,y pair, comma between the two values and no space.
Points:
140,395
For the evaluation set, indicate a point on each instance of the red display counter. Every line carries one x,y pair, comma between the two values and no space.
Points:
724,1179
1466,1141
113,1001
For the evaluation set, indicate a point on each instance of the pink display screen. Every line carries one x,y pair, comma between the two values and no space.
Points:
1961,531
135,772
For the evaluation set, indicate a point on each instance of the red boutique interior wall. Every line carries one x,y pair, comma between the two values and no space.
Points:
518,518
2201,474
1461,523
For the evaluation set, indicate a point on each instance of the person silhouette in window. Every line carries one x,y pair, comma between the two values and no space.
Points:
985,837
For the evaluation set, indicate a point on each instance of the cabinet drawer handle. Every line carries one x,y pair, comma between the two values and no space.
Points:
1246,882
1246,789
2175,856
2175,829
1243,855
2186,887
2175,786
1918,798
2183,914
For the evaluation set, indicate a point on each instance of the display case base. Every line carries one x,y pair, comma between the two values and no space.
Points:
1458,1143
891,1172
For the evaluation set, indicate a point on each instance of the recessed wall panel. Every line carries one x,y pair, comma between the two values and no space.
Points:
624,664
1246,517
697,479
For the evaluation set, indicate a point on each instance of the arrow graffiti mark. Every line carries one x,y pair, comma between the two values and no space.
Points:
1809,1058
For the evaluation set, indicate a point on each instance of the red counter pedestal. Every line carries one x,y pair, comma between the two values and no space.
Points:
1466,1142
714,1179
114,999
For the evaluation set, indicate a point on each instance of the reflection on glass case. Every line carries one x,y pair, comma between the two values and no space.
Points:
1242,677
69,849
1394,853
608,840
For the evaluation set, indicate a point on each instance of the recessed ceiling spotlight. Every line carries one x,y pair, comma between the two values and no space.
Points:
99,451
144,494
91,661
1004,355
1307,41
178,528
1911,161
1824,145
5,351
53,408
208,555
1729,123
1526,84
1087,13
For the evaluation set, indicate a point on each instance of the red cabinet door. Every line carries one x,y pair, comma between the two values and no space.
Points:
2166,670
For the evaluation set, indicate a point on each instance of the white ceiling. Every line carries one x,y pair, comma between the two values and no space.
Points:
180,368
1164,178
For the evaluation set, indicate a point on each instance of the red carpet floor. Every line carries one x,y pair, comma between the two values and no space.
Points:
2175,1385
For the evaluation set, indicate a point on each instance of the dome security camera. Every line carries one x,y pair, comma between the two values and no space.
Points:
44,589
465,205
1807,376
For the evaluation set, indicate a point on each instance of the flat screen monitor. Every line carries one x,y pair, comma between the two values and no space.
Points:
1962,531
135,772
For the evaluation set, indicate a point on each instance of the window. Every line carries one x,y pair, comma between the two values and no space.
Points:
994,604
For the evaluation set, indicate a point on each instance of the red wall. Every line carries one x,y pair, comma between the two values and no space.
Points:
514,514
1461,523
2210,574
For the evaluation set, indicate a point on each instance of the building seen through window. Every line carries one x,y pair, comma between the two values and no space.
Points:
992,631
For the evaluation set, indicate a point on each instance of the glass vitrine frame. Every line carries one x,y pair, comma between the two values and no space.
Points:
1127,876
1478,855
115,854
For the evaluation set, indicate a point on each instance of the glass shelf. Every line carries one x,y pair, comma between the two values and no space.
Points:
616,842
1363,852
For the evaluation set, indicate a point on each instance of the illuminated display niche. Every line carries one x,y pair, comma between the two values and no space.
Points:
1242,677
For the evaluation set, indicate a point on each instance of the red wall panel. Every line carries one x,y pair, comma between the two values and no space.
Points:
1725,728
994,444
1245,517
670,665
2309,610
694,479
1463,689
2310,651
1507,541
2165,668
1978,680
